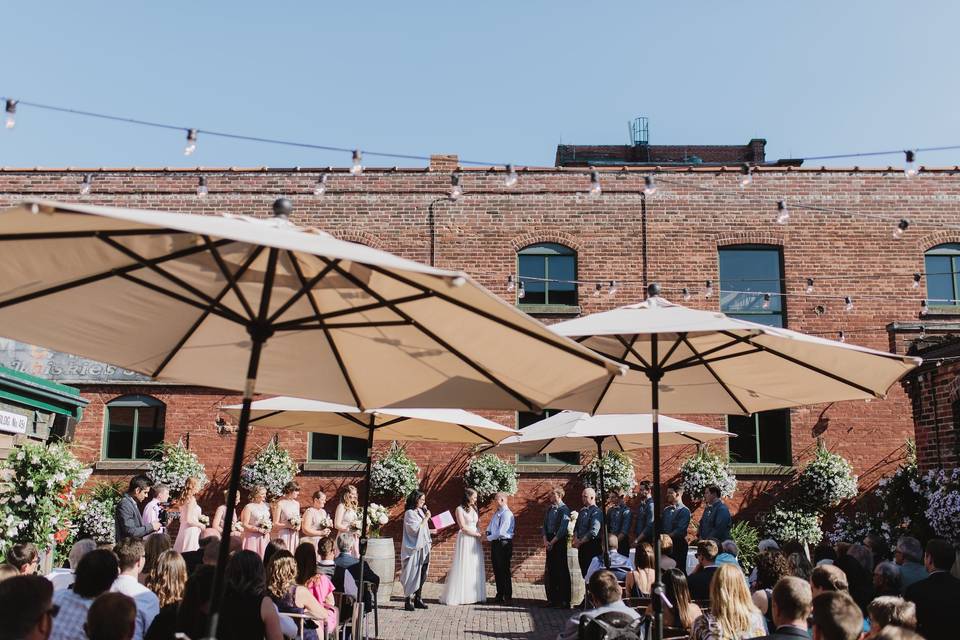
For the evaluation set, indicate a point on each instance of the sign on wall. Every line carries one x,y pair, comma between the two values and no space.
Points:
62,367
13,422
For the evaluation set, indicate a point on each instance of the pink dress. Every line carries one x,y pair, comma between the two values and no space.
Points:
321,587
289,510
188,537
254,540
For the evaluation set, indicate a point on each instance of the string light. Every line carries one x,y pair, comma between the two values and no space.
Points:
191,142
86,185
783,214
766,301
901,227
708,289
841,337
686,293
202,189
521,291
321,187
916,281
909,165
11,115
746,176
510,180
614,287
847,303
357,166
456,189
649,186
510,283
809,288
596,290
819,310
923,332
595,188
924,309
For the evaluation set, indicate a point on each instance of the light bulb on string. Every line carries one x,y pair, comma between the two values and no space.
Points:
841,337
910,164
766,301
597,289
819,309
511,285
847,303
649,186
456,189
202,189
321,187
521,291
923,332
613,288
924,308
357,167
686,293
708,289
746,176
916,281
11,114
191,142
595,188
510,180
783,214
901,227
86,185
809,288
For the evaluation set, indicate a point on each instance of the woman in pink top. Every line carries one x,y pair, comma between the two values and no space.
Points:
286,516
191,519
256,521
319,585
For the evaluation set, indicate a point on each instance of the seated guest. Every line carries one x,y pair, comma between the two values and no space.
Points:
604,592
771,566
247,611
886,579
26,608
823,553
326,550
909,557
680,612
153,546
130,557
732,615
639,582
857,563
792,602
291,597
619,563
894,632
666,555
836,617
168,580
699,580
800,566
7,571
878,547
319,584
937,595
96,573
63,578
827,577
112,616
346,575
195,606
25,557
887,610
194,559
277,544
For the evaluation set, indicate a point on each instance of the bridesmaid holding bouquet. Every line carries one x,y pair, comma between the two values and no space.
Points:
256,521
286,516
316,521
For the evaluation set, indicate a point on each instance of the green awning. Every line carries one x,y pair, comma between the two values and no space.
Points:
38,393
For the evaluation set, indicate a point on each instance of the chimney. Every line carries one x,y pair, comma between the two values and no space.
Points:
445,163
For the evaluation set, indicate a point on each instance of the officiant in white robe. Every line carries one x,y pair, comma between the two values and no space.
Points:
415,550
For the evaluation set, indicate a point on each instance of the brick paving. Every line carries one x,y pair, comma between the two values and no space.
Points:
523,619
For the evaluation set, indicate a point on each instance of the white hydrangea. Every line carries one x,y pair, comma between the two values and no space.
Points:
174,466
827,480
488,474
271,468
618,473
705,469
793,525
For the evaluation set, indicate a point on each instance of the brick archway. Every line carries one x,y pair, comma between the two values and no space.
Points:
930,241
538,236
360,237
750,237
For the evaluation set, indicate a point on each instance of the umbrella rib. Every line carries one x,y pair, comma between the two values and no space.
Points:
70,235
681,337
814,368
606,387
103,275
683,435
391,422
230,277
489,376
619,444
346,325
305,286
172,278
373,306
357,421
330,341
221,312
694,360
717,377
733,355
484,314
631,350
203,316
479,435
266,415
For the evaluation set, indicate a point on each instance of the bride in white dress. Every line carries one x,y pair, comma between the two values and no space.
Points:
466,583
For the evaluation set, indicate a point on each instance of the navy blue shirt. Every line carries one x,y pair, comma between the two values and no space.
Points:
618,519
588,523
676,519
556,522
643,522
715,523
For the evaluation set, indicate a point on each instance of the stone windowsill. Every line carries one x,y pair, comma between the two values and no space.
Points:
122,465
549,309
538,468
742,469
335,465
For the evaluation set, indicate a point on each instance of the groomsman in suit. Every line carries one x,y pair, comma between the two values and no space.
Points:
676,520
643,521
557,574
715,523
128,522
500,534
618,521
586,534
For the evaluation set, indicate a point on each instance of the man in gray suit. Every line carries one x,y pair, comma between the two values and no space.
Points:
129,523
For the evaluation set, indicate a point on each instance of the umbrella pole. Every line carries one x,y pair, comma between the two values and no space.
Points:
363,514
603,505
655,374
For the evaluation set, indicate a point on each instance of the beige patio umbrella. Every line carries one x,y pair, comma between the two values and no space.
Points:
239,303
690,361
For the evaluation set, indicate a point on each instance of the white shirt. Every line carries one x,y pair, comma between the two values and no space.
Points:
148,605
61,578
151,514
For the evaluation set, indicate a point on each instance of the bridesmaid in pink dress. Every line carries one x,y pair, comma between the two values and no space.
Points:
345,517
188,537
256,522
220,515
286,517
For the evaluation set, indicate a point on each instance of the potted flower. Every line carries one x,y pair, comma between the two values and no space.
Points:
393,476
380,553
826,481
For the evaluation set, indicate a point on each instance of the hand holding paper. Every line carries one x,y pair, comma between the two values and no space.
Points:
442,520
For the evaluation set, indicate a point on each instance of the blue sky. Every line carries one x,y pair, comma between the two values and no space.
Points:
491,81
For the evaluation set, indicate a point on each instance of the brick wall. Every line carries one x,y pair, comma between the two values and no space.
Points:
405,211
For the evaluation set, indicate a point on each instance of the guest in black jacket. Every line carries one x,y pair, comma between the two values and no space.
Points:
699,580
938,595
792,603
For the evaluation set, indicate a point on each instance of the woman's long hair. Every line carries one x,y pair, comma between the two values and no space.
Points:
189,489
347,498
281,574
193,609
153,546
245,575
643,556
306,557
678,593
467,494
730,601
413,498
168,578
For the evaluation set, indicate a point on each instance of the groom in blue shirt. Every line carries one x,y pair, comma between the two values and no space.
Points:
500,535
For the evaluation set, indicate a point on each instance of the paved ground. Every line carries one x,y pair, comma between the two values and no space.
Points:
524,619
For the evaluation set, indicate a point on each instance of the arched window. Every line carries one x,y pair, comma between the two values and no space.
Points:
539,267
134,427
942,266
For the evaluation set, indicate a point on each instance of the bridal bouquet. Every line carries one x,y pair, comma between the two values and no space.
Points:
572,526
265,524
204,520
294,521
236,527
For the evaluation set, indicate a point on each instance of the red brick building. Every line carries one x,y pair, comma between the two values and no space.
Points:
699,226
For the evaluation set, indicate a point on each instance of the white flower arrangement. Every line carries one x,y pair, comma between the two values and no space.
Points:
175,464
572,526
943,510
272,468
236,526
826,481
393,476
204,520
618,473
97,521
704,469
264,524
793,525
377,517
851,528
488,474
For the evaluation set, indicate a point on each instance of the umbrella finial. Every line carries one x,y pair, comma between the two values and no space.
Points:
282,208
653,290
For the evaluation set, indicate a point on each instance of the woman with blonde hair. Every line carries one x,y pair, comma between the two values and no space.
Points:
256,522
191,518
167,579
732,615
286,515
666,549
345,518
291,597
221,514
153,546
